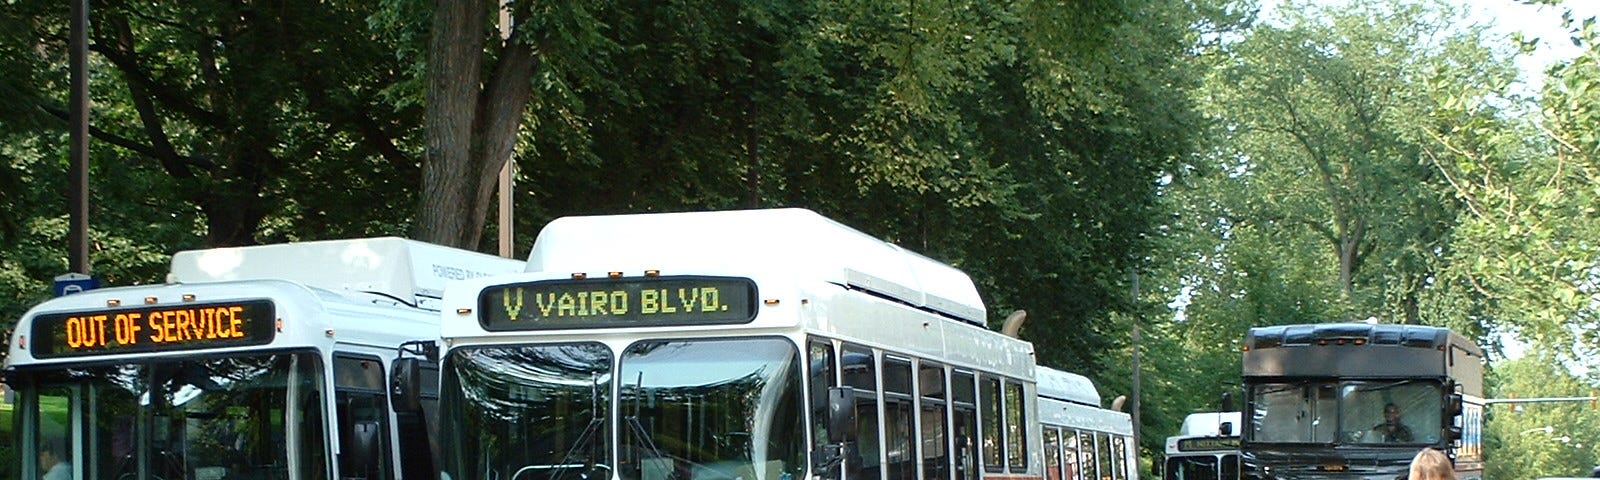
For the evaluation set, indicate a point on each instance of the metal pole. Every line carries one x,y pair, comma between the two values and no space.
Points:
78,183
507,172
1136,419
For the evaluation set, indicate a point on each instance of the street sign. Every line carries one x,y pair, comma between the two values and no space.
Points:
70,283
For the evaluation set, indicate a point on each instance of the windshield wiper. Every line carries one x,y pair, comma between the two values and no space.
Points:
585,438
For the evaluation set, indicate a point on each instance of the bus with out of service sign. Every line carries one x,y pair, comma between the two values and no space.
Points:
251,363
746,345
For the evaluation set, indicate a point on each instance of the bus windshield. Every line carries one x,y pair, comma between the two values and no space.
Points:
712,410
689,410
193,419
527,412
1202,467
1403,412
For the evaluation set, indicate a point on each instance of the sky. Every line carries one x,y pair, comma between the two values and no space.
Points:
1542,22
1507,16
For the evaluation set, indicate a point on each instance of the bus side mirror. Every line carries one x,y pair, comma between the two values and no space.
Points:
405,385
1227,401
841,414
1225,429
1452,410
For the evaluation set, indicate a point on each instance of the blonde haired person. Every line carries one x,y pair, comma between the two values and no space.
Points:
1431,464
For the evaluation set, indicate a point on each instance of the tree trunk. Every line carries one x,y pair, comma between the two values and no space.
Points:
455,51
471,131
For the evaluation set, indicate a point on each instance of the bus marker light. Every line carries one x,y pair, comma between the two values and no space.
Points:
652,273
149,300
614,274
579,275
770,301
113,303
328,332
463,311
22,342
280,325
188,297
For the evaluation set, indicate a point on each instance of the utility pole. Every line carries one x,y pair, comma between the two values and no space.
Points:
1136,316
78,184
509,171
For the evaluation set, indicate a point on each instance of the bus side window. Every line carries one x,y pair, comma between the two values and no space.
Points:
1069,455
362,417
1016,429
1088,467
933,424
307,411
1102,447
899,439
1119,457
859,370
965,412
821,361
993,442
1052,453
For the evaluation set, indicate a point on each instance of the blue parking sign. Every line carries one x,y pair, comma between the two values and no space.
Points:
70,283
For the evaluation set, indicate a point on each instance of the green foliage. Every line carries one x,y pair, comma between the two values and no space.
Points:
1530,183
1318,116
1531,440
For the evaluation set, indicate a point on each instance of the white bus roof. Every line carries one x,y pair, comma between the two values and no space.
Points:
1208,424
1066,386
793,242
407,270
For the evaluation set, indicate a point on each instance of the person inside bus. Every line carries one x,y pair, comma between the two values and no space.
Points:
1391,430
1431,464
51,457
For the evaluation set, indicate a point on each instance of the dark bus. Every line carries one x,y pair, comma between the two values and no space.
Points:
1358,401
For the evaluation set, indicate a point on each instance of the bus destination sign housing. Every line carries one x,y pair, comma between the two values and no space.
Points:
1208,444
618,302
154,329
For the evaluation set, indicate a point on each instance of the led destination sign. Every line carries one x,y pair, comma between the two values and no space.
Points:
618,302
151,329
1207,444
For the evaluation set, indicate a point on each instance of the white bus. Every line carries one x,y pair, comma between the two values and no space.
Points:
733,345
1205,448
253,363
1082,440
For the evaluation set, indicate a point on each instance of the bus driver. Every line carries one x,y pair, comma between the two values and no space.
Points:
1391,430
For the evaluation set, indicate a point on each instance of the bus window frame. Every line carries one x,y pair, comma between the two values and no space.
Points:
373,388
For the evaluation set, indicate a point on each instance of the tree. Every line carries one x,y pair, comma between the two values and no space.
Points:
225,107
1318,114
1314,200
1531,183
1531,440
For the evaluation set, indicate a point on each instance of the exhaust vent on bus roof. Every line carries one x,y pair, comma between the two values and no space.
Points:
918,297
406,270
1065,386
